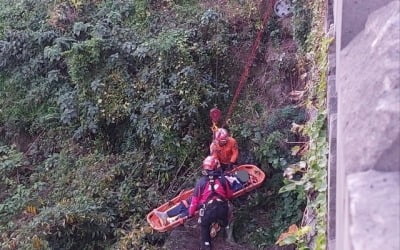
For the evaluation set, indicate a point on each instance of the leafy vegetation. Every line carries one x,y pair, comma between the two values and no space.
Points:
312,234
302,22
269,147
116,95
104,113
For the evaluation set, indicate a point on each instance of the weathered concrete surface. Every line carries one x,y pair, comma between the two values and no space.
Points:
368,131
375,225
332,136
369,92
354,16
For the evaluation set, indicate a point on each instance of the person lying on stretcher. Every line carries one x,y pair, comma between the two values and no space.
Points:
236,182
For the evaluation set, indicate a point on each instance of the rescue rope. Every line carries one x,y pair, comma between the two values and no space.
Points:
214,127
245,75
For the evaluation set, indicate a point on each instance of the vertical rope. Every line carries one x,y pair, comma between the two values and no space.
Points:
250,59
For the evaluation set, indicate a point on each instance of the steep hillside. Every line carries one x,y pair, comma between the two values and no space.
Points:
104,114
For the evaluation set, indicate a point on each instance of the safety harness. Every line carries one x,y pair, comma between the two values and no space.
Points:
211,182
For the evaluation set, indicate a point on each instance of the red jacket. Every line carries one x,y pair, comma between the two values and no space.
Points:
203,192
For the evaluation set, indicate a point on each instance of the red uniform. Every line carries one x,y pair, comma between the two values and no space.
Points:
212,194
203,192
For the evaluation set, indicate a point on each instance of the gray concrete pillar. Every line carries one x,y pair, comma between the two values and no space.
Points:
368,131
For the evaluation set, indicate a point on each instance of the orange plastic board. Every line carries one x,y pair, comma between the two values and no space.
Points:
256,179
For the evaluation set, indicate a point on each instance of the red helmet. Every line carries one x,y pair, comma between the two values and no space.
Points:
210,163
221,134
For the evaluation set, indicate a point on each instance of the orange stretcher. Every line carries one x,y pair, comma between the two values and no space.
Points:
256,178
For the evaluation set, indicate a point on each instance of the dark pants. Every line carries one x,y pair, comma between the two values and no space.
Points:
180,210
217,211
226,167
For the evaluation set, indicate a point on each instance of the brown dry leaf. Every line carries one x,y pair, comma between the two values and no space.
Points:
296,95
291,231
295,150
147,229
303,150
302,165
37,242
297,128
289,172
300,150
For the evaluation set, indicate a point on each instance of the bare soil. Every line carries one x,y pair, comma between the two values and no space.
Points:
188,237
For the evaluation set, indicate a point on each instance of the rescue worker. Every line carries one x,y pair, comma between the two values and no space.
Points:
212,191
225,148
236,182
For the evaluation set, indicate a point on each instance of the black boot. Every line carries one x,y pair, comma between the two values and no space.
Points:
229,233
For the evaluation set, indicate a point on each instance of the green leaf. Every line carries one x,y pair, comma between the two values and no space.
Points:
289,187
291,239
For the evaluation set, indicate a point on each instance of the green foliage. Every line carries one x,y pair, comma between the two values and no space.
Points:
14,193
317,175
84,58
268,144
11,160
141,18
14,203
271,150
302,20
113,76
114,96
81,203
29,83
283,118
274,31
67,103
30,14
262,222
314,181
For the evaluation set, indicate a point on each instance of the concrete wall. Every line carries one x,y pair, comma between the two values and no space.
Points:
332,127
364,137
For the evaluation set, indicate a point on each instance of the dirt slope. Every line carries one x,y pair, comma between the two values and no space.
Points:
188,237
